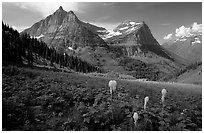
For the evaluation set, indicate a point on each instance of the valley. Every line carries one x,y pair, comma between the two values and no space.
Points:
130,41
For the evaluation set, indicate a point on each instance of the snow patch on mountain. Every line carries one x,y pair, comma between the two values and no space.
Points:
126,27
131,29
197,40
108,33
181,39
101,31
111,34
132,23
38,37
123,28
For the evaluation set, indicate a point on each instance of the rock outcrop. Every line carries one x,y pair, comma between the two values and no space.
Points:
63,30
138,40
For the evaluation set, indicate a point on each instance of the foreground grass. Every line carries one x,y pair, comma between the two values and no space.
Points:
34,99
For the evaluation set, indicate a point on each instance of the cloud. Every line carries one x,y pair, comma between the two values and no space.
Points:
188,31
183,31
196,27
47,8
169,36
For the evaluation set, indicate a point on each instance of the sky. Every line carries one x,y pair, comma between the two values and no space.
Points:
165,20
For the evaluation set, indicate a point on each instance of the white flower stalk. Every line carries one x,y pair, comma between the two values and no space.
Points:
163,95
145,102
135,117
164,92
162,99
112,84
111,91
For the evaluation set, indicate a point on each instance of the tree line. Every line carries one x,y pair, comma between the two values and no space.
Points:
17,47
181,71
191,66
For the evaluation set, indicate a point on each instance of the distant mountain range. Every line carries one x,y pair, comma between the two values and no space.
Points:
64,31
107,49
187,47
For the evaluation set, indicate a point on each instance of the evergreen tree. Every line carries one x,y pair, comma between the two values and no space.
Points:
16,46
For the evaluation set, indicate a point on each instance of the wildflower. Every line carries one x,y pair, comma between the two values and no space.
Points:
145,102
163,95
112,84
164,92
135,117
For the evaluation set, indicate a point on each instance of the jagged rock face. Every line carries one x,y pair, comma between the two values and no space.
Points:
133,51
94,29
138,39
49,25
62,30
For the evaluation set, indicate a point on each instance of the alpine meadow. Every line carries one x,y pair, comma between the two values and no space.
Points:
102,66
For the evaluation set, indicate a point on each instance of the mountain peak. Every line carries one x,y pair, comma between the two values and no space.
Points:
60,8
71,12
61,26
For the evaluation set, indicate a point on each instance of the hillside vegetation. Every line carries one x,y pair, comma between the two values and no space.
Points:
35,99
19,48
191,74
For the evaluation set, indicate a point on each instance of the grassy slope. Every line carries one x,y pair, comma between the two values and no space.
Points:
109,60
102,57
191,77
35,99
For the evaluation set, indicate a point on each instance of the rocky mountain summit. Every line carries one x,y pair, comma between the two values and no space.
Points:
64,31
137,40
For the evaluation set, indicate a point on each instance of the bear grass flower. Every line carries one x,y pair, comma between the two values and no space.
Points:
163,95
163,98
146,99
135,118
112,84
